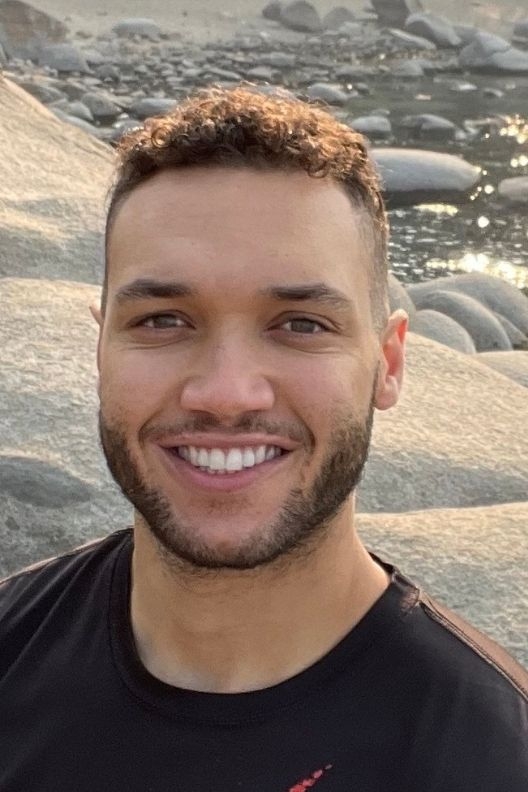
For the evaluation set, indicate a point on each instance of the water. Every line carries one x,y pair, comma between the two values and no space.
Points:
485,234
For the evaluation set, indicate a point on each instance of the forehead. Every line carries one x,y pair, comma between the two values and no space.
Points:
242,226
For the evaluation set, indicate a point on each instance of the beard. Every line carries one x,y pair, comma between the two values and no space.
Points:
296,531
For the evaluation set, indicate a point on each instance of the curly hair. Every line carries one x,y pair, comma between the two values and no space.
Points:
244,127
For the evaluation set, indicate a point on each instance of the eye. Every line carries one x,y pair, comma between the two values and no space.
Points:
162,321
304,326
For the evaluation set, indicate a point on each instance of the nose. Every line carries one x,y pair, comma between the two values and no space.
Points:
227,381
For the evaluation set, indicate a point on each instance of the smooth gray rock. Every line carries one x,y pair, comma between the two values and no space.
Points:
441,328
76,121
373,126
520,32
261,73
412,176
408,41
137,26
119,129
40,484
79,110
512,364
102,107
337,17
429,126
301,16
151,106
24,30
514,190
434,28
325,92
408,69
495,293
278,60
518,340
64,58
399,298
466,33
394,13
3,57
44,93
273,10
491,54
485,330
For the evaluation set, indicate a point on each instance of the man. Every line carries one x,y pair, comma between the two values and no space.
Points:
241,637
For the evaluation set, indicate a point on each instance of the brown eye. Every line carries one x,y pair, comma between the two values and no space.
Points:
162,322
304,326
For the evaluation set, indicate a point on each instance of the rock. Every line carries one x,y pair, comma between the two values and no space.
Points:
484,328
399,298
107,71
441,328
394,13
3,57
137,26
80,123
151,106
461,86
325,92
102,107
452,551
514,190
52,194
44,93
40,484
373,126
512,364
261,73
24,30
407,69
466,33
79,110
496,294
518,340
410,42
493,93
413,176
115,134
429,126
520,32
64,58
491,54
273,10
434,28
337,17
279,60
301,16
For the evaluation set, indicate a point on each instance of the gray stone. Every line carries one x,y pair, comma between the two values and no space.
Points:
394,13
411,69
3,57
301,16
273,10
512,364
399,298
373,126
107,72
151,106
279,60
80,123
413,176
514,190
429,126
79,110
410,42
491,54
337,17
64,58
93,57
24,30
466,33
484,328
115,134
44,93
325,92
102,107
40,484
518,340
137,26
261,73
520,32
441,328
496,294
434,28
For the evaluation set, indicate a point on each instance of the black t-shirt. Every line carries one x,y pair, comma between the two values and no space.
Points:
412,699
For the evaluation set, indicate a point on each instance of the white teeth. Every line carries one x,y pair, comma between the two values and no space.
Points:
216,460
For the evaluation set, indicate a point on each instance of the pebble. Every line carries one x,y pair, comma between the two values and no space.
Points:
325,92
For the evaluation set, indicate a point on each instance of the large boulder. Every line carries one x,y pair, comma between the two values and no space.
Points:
512,364
496,294
485,330
301,16
394,13
514,190
412,176
491,54
441,328
51,194
24,30
65,58
435,28
336,17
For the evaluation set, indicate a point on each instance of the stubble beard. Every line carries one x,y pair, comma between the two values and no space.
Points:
298,529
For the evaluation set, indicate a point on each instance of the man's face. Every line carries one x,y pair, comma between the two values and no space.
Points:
238,362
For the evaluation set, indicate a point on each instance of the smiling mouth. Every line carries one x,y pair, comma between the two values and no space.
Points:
218,461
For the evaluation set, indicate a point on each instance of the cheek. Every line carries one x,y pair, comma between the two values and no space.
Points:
132,385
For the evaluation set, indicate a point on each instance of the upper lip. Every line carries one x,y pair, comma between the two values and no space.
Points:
210,440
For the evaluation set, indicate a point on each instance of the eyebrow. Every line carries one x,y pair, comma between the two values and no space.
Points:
145,288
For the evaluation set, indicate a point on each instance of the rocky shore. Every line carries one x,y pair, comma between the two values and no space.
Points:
445,490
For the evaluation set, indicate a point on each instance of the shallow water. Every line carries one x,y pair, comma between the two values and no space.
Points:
484,234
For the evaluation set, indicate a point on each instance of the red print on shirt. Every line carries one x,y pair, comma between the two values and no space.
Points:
309,782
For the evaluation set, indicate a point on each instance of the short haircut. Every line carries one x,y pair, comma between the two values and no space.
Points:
246,127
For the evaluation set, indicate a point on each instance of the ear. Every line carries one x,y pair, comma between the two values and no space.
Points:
391,361
96,313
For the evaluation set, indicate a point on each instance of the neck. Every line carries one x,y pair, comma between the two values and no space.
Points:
238,631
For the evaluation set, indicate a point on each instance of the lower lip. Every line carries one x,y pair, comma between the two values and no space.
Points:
222,482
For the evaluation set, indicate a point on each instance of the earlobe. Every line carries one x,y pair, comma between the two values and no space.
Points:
392,361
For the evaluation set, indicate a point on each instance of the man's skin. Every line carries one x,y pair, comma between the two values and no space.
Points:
238,611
